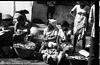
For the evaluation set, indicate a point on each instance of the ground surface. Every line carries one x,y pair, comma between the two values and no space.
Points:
19,61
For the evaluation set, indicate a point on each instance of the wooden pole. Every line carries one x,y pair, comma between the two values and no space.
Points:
0,18
14,8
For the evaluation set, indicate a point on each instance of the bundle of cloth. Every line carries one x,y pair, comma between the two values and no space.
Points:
50,52
28,45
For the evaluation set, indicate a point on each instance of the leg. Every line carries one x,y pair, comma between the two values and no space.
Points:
42,47
75,42
48,12
59,57
83,42
93,55
45,58
52,11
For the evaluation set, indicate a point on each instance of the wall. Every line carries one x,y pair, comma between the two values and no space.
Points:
20,5
6,7
61,13
39,11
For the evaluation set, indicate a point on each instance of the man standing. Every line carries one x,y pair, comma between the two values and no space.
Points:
92,57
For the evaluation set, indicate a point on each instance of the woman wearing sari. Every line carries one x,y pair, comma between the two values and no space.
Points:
80,23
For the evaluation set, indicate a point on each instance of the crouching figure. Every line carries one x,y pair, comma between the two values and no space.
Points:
49,46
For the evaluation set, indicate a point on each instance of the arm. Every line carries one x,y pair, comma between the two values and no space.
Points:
69,32
16,30
73,9
91,15
53,37
62,35
44,34
15,27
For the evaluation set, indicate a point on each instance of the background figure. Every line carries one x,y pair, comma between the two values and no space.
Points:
6,35
23,12
20,28
50,42
67,31
64,42
80,23
7,20
93,57
50,33
51,9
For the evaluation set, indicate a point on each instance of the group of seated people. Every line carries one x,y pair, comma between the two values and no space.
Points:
15,30
57,43
56,40
18,29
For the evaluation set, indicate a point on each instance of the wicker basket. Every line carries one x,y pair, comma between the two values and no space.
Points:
24,53
78,62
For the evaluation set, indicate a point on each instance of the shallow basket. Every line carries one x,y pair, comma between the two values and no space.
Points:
78,62
24,53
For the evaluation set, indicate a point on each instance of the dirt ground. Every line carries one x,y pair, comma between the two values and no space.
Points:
19,61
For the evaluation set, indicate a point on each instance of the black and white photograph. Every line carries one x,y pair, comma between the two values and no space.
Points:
48,33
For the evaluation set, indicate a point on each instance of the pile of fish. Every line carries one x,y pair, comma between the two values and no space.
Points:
29,45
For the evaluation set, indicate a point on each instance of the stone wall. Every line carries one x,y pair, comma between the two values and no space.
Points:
61,12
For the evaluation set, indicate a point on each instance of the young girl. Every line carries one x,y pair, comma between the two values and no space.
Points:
64,40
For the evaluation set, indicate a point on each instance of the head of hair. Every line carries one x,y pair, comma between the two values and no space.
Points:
50,27
21,20
65,25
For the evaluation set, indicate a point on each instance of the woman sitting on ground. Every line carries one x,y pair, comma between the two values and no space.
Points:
20,28
64,40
